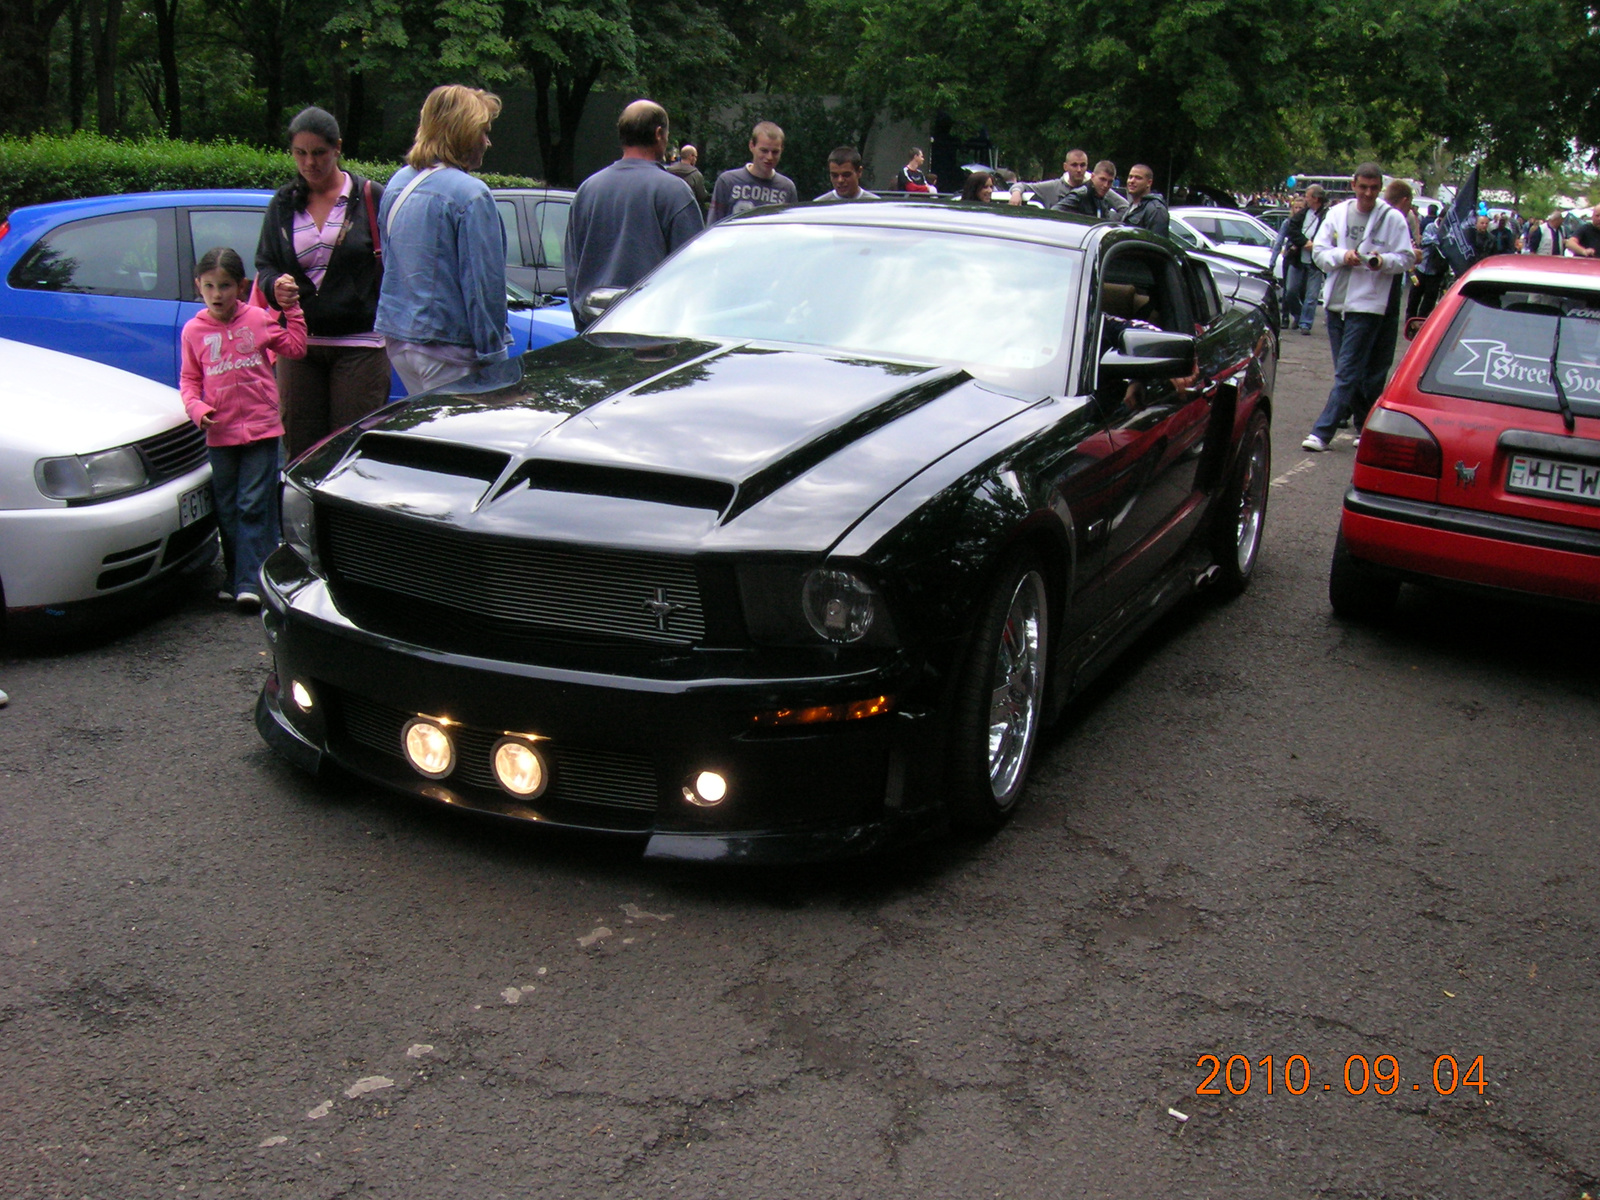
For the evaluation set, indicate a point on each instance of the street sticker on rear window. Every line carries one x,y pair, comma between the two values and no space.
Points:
1500,348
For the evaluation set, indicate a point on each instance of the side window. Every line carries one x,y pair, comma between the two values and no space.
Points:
1142,290
130,254
1181,234
551,218
239,228
508,221
1203,293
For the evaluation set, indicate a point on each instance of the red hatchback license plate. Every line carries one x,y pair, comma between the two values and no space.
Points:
1551,477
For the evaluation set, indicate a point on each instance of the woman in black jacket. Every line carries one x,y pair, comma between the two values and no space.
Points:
322,231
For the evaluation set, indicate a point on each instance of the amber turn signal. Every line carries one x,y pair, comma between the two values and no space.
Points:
819,714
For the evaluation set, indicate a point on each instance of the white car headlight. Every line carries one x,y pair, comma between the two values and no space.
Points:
91,476
300,525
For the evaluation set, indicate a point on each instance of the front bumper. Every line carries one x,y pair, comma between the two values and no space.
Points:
1423,541
620,749
52,557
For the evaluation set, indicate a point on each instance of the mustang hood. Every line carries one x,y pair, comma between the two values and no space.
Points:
683,444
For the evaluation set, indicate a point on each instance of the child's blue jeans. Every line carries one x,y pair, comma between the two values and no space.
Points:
244,483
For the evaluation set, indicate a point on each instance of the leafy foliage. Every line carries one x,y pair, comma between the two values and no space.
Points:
43,168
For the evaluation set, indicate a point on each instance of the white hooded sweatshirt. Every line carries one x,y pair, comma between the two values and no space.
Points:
1362,289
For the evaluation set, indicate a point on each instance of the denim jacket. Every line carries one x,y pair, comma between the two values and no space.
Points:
444,264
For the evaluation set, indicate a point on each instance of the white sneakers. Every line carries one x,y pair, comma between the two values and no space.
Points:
1314,444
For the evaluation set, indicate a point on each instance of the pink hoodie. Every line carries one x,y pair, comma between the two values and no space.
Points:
226,371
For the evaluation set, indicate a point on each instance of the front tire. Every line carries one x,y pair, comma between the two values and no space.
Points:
999,702
1242,515
1357,592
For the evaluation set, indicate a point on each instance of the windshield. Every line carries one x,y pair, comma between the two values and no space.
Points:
999,308
1498,349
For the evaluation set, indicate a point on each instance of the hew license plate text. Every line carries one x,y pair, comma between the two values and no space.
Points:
1549,477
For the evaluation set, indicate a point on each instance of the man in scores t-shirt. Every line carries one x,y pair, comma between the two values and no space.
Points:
757,182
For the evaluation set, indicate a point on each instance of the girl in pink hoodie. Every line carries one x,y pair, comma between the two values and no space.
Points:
228,388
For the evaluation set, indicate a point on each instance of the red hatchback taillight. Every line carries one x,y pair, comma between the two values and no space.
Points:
1396,442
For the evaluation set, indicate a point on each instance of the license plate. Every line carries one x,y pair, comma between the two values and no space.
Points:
1552,477
194,505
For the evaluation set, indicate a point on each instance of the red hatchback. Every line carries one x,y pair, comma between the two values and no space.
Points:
1480,465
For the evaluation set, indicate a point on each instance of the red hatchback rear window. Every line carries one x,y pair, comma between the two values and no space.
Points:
1500,345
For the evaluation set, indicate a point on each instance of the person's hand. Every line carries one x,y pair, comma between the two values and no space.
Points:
286,291
1352,259
207,421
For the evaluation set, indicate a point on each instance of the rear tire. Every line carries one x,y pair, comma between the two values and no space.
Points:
1242,515
999,699
1356,591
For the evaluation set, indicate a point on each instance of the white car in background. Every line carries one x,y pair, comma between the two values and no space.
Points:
105,489
1223,231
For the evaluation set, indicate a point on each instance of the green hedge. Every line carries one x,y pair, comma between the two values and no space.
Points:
43,168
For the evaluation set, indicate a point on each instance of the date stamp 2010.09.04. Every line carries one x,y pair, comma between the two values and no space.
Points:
1295,1076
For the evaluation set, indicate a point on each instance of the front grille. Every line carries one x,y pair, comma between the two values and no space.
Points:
603,778
176,452
515,586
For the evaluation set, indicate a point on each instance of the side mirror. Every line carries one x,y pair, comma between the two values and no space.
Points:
1149,354
1413,324
597,301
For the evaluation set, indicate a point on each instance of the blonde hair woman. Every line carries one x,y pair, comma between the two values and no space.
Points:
443,306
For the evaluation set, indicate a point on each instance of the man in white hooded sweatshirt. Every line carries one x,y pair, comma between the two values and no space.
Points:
1362,245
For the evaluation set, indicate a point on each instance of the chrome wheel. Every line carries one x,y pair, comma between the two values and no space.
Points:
1017,688
1252,506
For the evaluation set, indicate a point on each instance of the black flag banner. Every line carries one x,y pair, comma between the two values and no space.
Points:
1456,224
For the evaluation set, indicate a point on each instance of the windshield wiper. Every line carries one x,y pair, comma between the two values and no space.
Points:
1567,418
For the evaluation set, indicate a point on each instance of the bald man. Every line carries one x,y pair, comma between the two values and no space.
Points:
629,216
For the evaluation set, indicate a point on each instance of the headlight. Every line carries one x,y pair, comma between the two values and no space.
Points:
794,605
300,525
91,476
839,605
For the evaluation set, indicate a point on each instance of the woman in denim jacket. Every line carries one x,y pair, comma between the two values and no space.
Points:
443,307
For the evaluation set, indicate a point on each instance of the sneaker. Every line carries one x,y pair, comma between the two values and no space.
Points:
4,699
249,602
1305,331
1312,443
1356,441
225,596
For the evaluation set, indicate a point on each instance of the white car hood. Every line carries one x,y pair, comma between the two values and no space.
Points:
53,403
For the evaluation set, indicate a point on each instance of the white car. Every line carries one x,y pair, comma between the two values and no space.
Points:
105,488
1223,231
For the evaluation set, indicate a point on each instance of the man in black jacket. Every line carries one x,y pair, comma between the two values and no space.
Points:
1146,209
1090,199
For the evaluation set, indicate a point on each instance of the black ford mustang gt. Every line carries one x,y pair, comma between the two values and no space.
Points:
795,550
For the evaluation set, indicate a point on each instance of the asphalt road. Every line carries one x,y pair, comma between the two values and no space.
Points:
1268,833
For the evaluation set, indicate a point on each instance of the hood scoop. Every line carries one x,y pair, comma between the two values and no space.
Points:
440,458
624,483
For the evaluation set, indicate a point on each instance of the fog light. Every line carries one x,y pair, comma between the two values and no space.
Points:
519,768
302,696
707,791
428,748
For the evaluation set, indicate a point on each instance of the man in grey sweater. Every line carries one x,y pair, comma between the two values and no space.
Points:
628,217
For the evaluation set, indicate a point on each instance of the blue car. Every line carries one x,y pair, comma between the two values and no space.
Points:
112,278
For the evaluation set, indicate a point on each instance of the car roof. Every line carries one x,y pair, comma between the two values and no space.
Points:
1211,210
1021,222
94,206
1528,270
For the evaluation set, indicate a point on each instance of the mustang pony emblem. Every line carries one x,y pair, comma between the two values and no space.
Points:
1466,476
659,607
